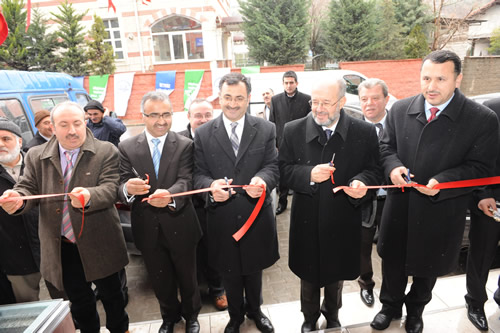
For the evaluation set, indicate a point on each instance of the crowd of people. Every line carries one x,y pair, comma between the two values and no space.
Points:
299,143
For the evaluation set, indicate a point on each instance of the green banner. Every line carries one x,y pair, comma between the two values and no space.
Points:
97,86
250,70
192,85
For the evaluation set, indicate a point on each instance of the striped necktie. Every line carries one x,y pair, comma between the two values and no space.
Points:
234,138
156,155
66,228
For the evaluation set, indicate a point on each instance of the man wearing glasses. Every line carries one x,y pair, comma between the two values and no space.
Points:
165,229
323,150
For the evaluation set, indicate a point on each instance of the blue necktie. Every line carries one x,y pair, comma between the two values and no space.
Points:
156,155
328,133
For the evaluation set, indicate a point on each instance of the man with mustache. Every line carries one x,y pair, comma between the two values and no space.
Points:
325,149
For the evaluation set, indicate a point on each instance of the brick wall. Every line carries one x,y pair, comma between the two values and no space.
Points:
402,76
145,82
481,75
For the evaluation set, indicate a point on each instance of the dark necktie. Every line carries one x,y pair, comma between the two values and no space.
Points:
66,228
380,130
328,133
234,138
433,114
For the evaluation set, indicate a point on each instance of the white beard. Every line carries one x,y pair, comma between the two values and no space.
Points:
11,155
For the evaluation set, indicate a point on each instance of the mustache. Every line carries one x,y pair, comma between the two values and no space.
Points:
72,136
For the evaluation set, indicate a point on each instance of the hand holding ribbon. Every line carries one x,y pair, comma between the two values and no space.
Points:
255,188
11,201
322,172
160,198
356,190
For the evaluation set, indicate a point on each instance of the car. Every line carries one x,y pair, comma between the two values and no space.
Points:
485,97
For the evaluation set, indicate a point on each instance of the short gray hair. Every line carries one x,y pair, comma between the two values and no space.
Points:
371,83
199,101
64,105
156,95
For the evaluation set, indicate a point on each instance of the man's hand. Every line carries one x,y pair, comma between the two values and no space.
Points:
321,172
219,194
428,189
11,206
75,197
254,191
396,177
485,206
137,186
160,202
354,191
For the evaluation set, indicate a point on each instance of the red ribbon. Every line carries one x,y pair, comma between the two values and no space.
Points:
43,196
440,186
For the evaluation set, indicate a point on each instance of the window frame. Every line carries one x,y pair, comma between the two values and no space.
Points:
112,39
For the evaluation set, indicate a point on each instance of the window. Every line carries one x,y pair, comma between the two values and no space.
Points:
177,38
352,82
113,37
14,111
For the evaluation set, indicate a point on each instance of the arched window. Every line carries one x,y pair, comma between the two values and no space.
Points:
177,38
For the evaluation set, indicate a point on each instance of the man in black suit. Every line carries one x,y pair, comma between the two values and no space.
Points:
484,234
324,147
431,138
165,229
287,106
200,112
237,148
42,124
373,97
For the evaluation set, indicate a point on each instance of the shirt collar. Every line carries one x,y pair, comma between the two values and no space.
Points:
441,107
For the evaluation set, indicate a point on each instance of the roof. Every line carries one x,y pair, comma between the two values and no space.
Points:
11,80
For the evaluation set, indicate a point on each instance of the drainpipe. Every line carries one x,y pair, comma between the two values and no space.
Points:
139,37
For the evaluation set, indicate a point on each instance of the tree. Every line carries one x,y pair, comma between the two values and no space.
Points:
389,33
411,13
42,44
416,44
317,14
276,31
73,59
494,48
13,52
350,30
100,54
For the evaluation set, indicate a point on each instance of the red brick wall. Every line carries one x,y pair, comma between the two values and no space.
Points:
402,76
145,82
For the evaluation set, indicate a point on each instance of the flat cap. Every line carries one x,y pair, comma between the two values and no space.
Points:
7,125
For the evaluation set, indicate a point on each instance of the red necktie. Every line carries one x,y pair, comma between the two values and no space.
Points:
433,114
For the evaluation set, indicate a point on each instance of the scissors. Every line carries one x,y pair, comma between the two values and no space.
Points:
227,183
331,164
139,176
406,177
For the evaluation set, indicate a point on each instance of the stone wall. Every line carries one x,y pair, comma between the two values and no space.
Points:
481,75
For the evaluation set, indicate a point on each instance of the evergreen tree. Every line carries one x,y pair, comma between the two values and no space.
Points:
41,52
389,33
100,54
411,13
350,30
73,59
494,48
416,44
276,31
13,52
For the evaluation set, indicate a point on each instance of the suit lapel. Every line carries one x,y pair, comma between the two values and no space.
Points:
249,132
222,138
144,158
169,148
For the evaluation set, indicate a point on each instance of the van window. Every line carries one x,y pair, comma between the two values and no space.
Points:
46,102
12,109
82,99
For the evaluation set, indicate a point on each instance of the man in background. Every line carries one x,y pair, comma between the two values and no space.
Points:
266,110
42,124
103,126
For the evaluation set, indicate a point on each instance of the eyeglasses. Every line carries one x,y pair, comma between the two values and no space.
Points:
326,105
156,116
238,99
199,116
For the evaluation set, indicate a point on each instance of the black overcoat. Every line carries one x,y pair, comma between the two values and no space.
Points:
325,228
257,156
420,232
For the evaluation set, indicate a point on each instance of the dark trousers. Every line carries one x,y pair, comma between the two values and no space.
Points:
168,271
243,294
81,295
283,194
6,293
392,293
484,235
310,297
205,271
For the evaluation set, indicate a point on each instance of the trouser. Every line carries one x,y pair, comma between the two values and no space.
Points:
484,234
310,300
82,297
392,293
243,294
283,194
26,287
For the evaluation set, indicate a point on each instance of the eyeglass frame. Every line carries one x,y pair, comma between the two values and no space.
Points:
325,104
157,116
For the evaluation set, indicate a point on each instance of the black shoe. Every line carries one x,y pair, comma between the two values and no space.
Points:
496,296
333,323
477,317
281,208
192,326
383,319
167,326
414,324
308,326
233,326
367,296
262,322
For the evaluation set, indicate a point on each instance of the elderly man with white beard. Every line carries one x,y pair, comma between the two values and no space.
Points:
19,244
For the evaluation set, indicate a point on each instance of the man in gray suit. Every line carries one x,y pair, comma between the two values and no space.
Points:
237,148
